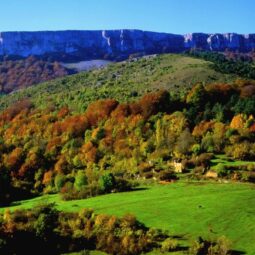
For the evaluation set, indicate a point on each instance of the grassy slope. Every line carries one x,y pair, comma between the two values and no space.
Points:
227,162
172,72
226,209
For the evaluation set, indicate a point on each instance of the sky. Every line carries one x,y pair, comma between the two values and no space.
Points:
172,16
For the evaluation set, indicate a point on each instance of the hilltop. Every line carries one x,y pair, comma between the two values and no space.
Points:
124,81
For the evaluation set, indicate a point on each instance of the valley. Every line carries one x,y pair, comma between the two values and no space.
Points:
154,154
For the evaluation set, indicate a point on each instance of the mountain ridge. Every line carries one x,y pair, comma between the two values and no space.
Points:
119,44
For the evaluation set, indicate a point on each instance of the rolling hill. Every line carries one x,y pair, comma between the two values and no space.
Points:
123,81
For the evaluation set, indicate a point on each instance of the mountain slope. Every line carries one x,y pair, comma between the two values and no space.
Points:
27,72
123,81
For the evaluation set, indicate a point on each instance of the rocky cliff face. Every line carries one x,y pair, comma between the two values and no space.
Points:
114,44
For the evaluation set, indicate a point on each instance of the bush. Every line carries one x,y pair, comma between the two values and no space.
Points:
221,170
195,248
122,185
167,176
46,221
248,176
59,181
87,191
169,245
198,170
251,167
107,182
221,247
196,149
243,151
148,175
203,159
204,247
80,180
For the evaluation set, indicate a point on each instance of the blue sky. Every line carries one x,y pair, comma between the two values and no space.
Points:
174,16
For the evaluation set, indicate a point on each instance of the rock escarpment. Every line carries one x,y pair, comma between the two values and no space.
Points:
114,44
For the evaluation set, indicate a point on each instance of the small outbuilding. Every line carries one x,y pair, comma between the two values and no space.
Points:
211,174
178,166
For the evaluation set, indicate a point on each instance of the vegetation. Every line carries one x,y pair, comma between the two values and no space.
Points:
228,63
184,209
107,147
104,131
57,232
27,72
124,81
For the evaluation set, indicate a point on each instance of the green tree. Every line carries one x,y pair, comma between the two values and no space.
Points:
107,182
47,221
80,180
5,187
59,181
197,95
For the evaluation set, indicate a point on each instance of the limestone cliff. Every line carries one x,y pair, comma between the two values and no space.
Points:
114,44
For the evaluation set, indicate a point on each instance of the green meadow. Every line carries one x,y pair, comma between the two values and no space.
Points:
184,209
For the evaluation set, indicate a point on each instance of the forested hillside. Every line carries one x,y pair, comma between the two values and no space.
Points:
150,121
23,73
51,150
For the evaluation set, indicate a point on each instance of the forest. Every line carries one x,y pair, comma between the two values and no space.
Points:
18,74
111,144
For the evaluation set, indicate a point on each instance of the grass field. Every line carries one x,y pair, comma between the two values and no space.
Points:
185,209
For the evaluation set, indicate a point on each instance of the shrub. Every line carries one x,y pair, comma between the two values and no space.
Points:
198,170
122,185
196,149
59,181
251,167
167,176
203,159
107,182
204,247
47,220
241,151
80,180
248,176
221,170
221,247
197,247
169,245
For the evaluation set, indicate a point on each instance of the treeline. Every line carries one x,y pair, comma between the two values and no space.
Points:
45,230
241,67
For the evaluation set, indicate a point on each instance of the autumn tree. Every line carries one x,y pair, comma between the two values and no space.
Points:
80,180
100,110
184,142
